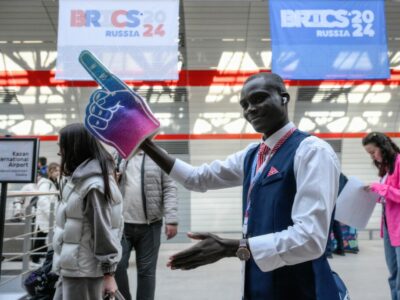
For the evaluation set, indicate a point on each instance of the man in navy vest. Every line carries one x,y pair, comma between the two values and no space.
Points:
290,183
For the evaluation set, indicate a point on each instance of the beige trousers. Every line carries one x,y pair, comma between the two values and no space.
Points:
74,288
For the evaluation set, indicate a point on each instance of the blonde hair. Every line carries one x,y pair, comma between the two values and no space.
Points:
52,166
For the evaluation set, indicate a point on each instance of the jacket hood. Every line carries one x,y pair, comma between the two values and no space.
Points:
90,167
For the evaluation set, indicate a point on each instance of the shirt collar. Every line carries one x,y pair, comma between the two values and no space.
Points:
273,139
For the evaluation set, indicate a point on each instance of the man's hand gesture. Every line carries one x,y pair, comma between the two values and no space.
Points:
210,249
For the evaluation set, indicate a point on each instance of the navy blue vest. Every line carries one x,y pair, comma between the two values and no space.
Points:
271,206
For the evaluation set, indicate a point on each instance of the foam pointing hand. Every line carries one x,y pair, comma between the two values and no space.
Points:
116,114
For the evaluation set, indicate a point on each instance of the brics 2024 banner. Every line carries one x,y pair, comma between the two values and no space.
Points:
136,40
329,39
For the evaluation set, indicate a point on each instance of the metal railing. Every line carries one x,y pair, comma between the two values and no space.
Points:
29,235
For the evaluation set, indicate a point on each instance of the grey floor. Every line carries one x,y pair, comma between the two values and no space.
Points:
364,273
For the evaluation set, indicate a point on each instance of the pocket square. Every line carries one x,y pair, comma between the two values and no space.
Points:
272,171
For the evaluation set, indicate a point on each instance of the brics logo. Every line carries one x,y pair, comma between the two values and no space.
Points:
122,23
95,18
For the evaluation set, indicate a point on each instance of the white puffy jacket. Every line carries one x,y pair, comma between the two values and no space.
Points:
88,228
44,203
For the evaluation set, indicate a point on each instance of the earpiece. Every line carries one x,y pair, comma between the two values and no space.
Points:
284,100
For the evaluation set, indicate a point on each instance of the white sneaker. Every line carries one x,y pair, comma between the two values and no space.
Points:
33,265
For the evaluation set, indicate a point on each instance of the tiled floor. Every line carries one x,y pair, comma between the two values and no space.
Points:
364,273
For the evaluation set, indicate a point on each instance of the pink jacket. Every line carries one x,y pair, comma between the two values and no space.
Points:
390,190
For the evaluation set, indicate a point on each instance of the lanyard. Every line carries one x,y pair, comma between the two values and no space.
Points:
255,175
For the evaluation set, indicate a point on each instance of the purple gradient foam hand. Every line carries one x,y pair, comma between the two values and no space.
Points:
116,115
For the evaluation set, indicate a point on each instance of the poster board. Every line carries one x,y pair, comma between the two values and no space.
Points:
18,160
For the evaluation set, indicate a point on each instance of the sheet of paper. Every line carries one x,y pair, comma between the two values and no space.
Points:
354,205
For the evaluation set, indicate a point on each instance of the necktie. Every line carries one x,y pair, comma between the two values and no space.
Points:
262,154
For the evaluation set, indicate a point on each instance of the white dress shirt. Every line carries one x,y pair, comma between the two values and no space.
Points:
316,169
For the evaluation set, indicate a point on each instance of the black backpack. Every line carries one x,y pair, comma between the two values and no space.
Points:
40,284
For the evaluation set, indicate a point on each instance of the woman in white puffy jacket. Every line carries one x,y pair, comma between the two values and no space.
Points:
89,219
43,206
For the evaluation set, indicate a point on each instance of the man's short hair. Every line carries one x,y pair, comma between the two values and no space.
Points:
273,80
43,160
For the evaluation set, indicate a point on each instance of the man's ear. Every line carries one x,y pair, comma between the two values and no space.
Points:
285,98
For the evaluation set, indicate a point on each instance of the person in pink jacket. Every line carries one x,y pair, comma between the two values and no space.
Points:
385,155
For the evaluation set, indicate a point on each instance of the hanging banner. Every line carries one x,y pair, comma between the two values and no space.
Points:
329,39
136,40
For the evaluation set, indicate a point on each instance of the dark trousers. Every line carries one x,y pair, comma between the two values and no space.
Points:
145,240
337,233
39,242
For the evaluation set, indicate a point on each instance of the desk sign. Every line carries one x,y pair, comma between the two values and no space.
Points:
18,160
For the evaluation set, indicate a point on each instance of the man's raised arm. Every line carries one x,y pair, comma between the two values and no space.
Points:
158,155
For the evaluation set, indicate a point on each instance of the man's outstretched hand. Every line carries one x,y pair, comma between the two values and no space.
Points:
210,249
116,114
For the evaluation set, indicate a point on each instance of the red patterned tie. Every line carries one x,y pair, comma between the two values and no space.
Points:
262,154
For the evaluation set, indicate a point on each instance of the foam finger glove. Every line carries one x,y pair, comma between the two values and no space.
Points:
116,114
